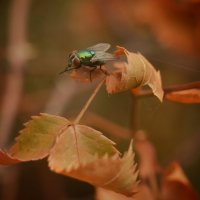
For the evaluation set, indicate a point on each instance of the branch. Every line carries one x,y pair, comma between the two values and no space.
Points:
173,88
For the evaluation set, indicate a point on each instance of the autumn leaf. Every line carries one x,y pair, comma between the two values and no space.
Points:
143,193
6,159
103,194
103,169
137,72
85,75
38,137
175,184
185,96
74,150
78,145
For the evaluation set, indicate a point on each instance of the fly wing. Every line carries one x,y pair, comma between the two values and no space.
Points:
102,56
100,47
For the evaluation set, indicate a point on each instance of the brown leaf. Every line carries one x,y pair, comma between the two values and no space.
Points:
175,185
6,159
136,72
103,194
103,169
143,193
75,150
85,75
119,51
185,96
79,145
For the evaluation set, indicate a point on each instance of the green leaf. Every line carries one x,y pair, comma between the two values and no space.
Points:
38,137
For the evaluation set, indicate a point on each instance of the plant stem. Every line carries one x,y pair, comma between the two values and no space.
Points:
154,185
134,115
80,115
173,88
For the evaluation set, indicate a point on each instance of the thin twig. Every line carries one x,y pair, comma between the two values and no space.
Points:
80,115
173,88
134,114
154,185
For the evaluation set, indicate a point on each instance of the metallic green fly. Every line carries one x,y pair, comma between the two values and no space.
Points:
92,57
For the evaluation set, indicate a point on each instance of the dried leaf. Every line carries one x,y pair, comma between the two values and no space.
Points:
6,159
38,137
79,145
102,169
184,96
143,193
86,75
75,150
175,185
174,172
103,194
136,72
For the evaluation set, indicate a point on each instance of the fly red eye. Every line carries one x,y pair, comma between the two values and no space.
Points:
76,61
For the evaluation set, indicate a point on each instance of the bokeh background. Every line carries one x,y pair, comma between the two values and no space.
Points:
35,39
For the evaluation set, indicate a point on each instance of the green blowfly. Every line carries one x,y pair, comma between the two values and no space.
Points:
92,57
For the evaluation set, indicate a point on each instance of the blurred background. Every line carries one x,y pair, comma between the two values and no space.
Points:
35,39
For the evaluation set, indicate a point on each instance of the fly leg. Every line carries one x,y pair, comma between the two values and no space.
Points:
104,71
91,73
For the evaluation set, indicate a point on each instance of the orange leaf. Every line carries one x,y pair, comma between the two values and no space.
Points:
119,51
85,75
175,185
184,96
35,140
92,158
136,91
136,72
143,192
6,159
